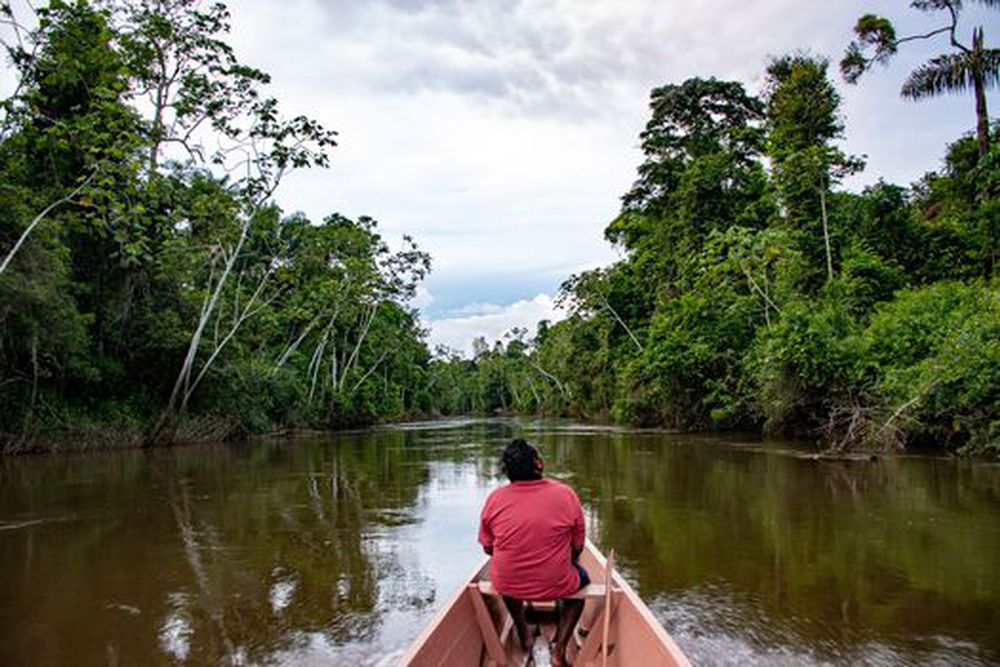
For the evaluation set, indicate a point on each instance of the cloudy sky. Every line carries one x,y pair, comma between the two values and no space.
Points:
501,133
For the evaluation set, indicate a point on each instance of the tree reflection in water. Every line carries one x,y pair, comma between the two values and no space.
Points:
338,549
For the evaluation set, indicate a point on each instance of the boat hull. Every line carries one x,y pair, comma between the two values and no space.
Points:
474,628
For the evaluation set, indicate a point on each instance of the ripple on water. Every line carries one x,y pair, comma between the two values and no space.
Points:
713,629
338,550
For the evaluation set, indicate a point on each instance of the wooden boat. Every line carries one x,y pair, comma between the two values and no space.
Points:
475,630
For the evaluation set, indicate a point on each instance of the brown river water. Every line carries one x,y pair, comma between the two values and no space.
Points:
336,550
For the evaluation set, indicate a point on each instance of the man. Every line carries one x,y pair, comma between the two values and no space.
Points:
534,529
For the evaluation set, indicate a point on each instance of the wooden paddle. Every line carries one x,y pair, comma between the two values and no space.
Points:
608,580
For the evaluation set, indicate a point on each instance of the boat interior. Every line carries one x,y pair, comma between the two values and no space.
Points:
615,628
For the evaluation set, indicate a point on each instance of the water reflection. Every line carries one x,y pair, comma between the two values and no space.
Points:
338,549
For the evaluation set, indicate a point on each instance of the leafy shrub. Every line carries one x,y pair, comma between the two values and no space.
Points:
253,398
805,364
934,354
688,374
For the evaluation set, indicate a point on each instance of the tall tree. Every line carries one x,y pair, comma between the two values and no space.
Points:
803,123
68,168
185,74
701,171
970,65
691,120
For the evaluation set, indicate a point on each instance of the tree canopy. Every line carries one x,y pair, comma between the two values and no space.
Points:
756,293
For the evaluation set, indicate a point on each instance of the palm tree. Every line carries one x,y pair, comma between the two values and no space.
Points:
969,66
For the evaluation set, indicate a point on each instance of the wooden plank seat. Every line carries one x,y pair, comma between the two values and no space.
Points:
495,643
588,591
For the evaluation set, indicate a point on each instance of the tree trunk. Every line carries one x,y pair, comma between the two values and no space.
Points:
41,216
826,233
247,312
166,425
352,360
622,322
979,82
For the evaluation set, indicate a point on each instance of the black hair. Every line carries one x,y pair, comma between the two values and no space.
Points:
520,461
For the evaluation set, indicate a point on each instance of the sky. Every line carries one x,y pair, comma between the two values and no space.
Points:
500,134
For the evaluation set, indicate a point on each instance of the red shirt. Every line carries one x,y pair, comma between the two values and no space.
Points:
530,526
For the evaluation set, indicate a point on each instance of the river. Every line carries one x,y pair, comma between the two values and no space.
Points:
337,549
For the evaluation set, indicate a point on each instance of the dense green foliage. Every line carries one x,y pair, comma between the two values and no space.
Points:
150,284
755,293
148,281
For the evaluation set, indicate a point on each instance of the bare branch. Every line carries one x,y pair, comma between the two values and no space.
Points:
628,330
371,370
41,216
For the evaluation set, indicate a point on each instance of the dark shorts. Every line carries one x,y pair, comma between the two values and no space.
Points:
584,577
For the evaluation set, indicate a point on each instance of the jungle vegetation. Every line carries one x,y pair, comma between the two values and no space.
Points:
757,293
152,291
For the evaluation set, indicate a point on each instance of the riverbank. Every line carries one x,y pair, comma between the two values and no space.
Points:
133,434
127,435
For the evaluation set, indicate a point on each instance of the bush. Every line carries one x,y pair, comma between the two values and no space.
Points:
248,395
934,354
805,366
689,372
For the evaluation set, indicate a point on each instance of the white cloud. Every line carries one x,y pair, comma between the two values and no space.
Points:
422,299
502,134
492,321
476,309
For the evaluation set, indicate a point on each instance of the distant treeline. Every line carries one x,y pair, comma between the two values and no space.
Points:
152,292
757,294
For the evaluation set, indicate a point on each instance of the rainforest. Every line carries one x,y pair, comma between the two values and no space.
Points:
153,291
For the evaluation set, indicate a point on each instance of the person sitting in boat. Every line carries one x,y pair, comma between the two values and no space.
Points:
534,530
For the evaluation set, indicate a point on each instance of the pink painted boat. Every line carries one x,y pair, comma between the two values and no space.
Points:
615,630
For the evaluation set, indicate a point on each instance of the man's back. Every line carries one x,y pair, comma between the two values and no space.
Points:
530,526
